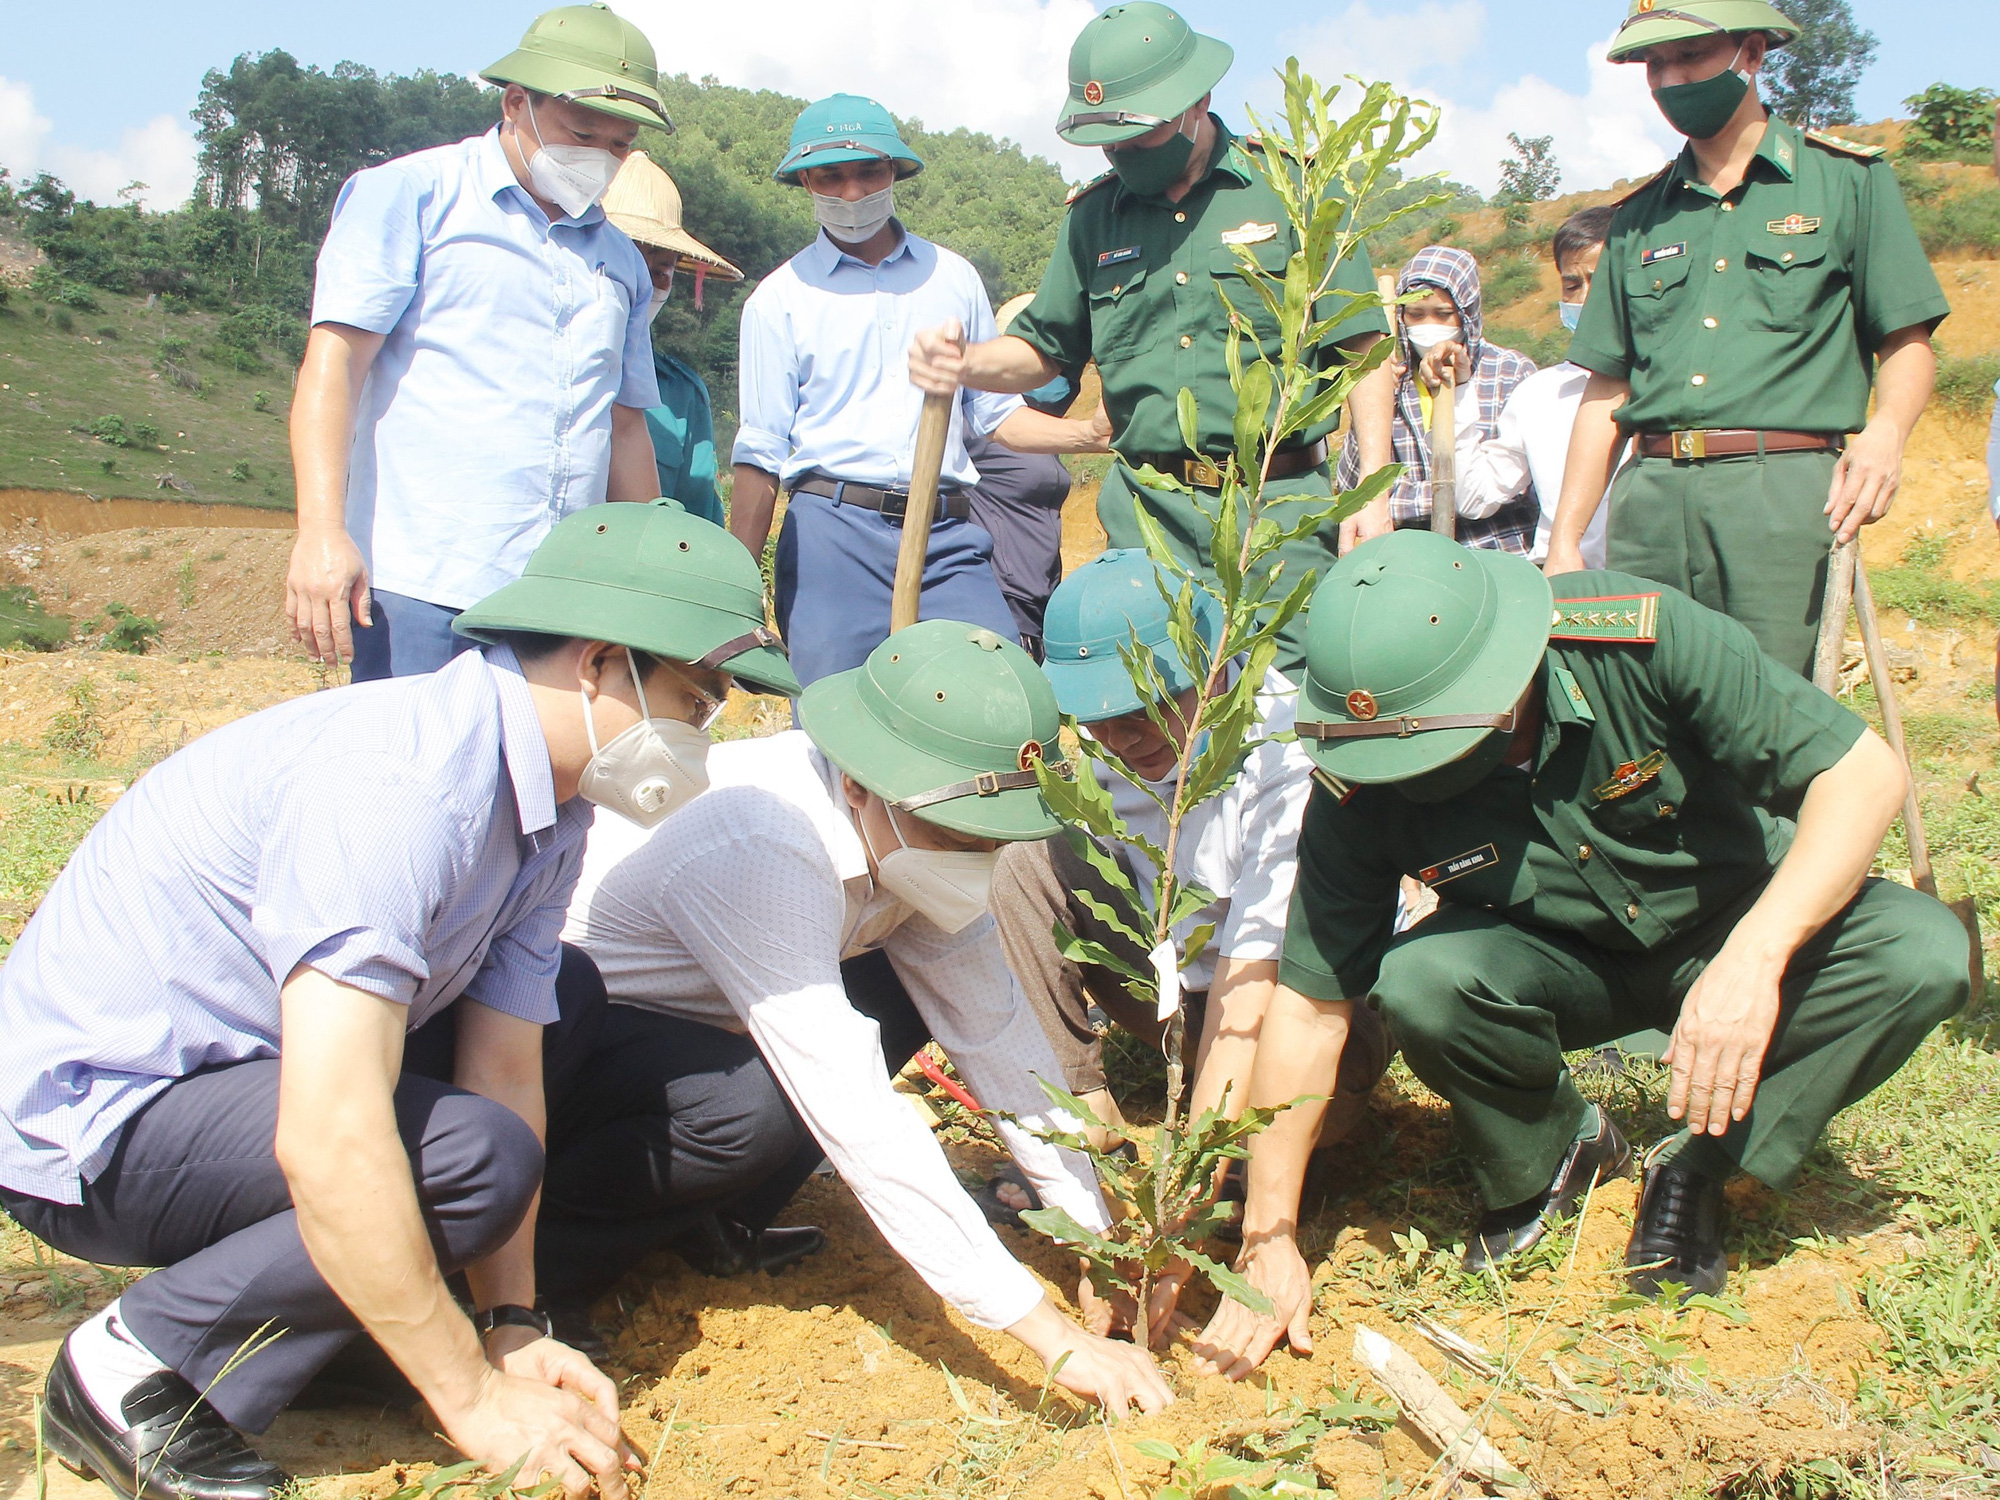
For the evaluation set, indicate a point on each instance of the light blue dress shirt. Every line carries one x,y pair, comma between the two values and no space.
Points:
486,417
399,836
824,370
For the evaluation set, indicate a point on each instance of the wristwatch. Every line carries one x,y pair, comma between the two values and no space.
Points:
512,1315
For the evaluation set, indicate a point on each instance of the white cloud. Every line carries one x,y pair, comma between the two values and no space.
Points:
160,153
1000,66
1611,130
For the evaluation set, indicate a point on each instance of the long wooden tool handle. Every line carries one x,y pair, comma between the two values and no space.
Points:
933,427
1444,458
1892,722
1833,618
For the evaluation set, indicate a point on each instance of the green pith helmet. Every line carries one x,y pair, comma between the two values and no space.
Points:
588,55
1416,650
1654,21
945,721
845,127
651,577
1133,68
1099,608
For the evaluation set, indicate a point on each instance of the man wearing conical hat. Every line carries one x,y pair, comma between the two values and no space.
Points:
1748,298
479,365
646,204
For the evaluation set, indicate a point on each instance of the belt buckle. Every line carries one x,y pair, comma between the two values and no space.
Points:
1202,474
895,505
1691,443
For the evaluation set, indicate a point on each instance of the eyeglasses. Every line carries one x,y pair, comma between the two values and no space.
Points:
707,707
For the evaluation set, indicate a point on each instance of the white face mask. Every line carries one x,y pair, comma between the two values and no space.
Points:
571,177
660,296
857,222
1427,336
949,886
651,769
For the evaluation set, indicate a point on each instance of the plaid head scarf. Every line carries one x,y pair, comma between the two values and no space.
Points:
1495,373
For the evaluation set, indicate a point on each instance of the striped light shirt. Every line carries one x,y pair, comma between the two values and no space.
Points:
401,837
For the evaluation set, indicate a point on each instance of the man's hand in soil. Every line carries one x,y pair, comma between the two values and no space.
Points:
326,587
1117,1376
1105,1316
1238,1340
531,1412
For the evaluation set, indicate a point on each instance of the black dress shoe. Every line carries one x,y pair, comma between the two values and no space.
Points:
570,1323
174,1446
1508,1231
719,1246
1678,1235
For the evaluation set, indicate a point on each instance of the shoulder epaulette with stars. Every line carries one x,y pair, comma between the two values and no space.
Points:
1083,187
1844,148
1630,618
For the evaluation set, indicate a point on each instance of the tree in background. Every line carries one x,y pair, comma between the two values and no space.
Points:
1811,81
1950,123
1530,175
282,138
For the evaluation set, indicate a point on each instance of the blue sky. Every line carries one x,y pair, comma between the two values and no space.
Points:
991,64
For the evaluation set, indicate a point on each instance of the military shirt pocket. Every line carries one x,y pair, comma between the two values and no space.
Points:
1225,270
1653,293
1117,312
1788,275
1634,796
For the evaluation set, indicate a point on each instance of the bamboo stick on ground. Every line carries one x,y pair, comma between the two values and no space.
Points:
1436,1415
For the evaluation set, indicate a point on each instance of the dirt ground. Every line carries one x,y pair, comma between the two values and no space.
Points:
846,1377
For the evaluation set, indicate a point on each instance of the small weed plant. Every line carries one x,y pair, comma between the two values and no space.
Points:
124,629
78,731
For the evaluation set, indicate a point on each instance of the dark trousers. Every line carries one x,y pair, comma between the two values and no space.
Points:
409,636
679,1119
1484,1011
194,1187
836,567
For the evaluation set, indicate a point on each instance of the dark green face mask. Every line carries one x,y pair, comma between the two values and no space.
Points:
1151,170
1700,109
1461,775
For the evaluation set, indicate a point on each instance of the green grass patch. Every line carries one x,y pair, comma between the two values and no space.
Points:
1965,386
1545,349
26,626
1506,278
75,398
1963,223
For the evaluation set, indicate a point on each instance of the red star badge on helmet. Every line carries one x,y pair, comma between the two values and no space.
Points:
1031,754
1093,92
1361,705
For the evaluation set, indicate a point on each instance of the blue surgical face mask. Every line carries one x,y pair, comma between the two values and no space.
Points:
1572,314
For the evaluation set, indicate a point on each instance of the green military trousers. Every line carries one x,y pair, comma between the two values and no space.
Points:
1189,529
1746,536
1485,1010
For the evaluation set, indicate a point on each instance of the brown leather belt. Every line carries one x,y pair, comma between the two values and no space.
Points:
1733,442
1206,474
953,504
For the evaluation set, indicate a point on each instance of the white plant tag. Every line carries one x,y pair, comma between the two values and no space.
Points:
1167,971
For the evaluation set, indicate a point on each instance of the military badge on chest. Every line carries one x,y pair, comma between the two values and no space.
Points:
1631,775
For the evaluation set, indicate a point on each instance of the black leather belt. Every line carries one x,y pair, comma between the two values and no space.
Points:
1206,473
953,504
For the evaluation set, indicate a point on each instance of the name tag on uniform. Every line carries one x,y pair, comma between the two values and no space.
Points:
1794,224
1117,257
1251,233
1662,252
1460,864
1632,775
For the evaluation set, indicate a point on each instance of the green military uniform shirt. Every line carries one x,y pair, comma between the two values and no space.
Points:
1762,308
1647,809
1132,285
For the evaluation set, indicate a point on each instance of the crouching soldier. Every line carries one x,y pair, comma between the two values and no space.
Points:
1241,844
1597,780
778,949
206,1071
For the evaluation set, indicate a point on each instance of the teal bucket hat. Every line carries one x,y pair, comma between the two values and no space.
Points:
845,127
1102,606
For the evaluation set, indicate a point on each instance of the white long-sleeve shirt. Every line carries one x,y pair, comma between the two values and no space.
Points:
1531,447
737,911
1241,844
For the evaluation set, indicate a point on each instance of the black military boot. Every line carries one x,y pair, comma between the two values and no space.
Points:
717,1245
1505,1232
173,1446
1678,1234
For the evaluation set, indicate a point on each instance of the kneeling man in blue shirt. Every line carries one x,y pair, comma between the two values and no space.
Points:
205,1067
